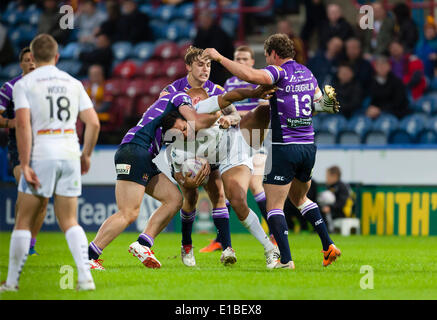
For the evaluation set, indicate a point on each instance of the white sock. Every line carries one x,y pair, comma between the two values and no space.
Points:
252,224
78,244
18,251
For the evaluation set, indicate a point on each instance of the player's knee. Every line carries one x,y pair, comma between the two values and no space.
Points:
176,202
130,214
238,202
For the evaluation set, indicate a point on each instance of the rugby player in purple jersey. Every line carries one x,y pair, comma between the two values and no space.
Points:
7,120
293,150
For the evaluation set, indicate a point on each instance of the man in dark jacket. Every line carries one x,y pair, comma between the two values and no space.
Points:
133,25
101,55
341,208
349,92
49,22
335,26
362,68
387,92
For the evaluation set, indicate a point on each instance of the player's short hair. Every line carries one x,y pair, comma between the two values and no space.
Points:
246,49
198,92
282,44
192,55
22,53
44,47
335,170
168,121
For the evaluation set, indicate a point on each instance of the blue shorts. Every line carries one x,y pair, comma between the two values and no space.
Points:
289,161
134,163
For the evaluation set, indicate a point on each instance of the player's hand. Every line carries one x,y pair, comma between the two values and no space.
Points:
195,182
212,54
225,122
330,102
264,91
30,176
85,163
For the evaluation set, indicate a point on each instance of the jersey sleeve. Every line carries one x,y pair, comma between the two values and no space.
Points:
84,99
226,85
181,99
19,96
5,97
276,73
169,89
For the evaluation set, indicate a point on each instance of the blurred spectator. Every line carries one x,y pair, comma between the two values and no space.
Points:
349,92
6,48
335,26
426,49
376,41
49,22
211,35
324,64
342,207
284,26
387,92
362,68
101,55
315,15
87,21
405,27
134,25
96,91
408,68
110,25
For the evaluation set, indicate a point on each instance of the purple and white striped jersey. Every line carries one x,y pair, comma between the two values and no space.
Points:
7,103
291,105
148,133
182,85
246,104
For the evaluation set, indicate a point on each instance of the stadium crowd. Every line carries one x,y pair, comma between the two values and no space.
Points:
126,51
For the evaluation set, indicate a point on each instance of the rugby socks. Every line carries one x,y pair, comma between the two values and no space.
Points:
252,224
94,251
32,243
220,216
260,199
279,228
310,211
18,251
187,219
77,242
145,240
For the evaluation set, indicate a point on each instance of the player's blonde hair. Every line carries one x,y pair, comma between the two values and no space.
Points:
198,92
192,55
44,48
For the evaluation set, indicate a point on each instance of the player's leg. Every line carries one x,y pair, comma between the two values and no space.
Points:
65,210
188,214
220,216
254,125
20,238
162,189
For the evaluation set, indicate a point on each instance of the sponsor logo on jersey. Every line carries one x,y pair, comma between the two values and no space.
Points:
122,168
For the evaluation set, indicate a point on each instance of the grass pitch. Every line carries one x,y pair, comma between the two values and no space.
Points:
403,268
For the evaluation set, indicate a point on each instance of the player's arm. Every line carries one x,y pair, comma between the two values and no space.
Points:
201,120
239,70
260,92
326,101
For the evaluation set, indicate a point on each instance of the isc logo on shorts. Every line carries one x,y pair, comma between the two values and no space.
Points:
279,178
122,168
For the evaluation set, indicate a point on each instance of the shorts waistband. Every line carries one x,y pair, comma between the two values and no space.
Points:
55,131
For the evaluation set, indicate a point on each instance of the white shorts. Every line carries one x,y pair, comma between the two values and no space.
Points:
238,152
60,177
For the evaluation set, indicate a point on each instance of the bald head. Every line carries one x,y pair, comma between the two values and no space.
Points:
197,95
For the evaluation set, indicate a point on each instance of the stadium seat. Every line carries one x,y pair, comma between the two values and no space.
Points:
184,28
324,138
157,27
385,123
183,46
22,35
151,69
413,123
155,86
375,138
174,69
115,86
334,123
427,104
124,103
126,69
348,137
11,17
11,71
172,32
72,67
432,124
346,225
359,124
167,50
143,50
142,104
166,12
427,137
121,50
136,87
400,136
70,51
185,11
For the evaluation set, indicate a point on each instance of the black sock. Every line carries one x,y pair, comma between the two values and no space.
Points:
312,214
187,219
279,228
94,251
145,240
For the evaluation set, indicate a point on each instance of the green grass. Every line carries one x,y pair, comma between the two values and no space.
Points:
404,268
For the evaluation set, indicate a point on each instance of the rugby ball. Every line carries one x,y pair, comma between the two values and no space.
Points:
326,198
193,165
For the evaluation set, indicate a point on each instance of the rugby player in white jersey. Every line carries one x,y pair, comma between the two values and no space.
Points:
230,151
48,102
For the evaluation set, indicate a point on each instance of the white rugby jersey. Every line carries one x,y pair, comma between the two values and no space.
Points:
55,99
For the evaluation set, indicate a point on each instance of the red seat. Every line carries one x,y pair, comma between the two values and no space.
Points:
125,103
167,50
136,88
114,86
142,104
155,86
174,69
151,69
183,48
125,69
